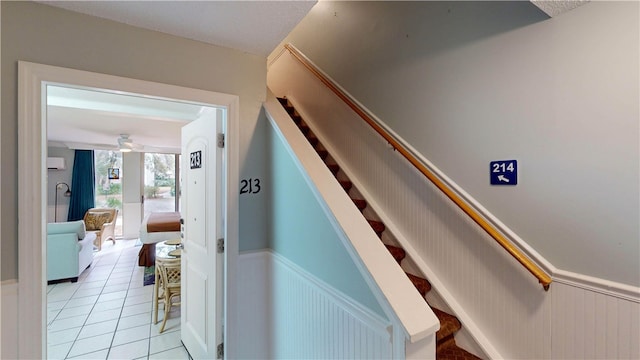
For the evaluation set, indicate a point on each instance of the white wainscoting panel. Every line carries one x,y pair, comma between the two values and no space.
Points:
9,320
287,313
497,300
310,320
586,324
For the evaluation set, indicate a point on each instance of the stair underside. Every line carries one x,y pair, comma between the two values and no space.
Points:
446,348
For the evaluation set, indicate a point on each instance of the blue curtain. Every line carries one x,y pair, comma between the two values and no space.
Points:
82,185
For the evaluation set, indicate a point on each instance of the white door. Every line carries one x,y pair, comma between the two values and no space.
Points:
202,265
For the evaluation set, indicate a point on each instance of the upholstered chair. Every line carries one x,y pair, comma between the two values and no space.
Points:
103,222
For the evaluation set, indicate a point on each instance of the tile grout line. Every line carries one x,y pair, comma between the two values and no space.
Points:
121,257
93,307
148,338
99,295
121,308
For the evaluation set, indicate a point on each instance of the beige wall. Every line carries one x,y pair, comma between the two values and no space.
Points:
42,34
56,176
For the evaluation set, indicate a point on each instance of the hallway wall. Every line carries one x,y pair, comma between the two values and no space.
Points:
466,83
503,309
56,176
43,34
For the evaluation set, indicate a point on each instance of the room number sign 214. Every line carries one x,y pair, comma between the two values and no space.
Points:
250,186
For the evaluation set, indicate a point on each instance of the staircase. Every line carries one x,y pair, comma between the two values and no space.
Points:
446,347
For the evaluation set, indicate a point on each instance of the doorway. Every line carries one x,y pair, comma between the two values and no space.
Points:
32,127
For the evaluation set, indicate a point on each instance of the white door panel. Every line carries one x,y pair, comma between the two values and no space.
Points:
202,275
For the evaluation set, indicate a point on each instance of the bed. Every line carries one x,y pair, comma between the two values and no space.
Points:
157,227
160,226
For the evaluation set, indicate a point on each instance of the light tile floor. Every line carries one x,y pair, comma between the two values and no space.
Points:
107,314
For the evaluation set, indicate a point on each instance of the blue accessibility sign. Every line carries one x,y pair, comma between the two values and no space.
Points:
504,172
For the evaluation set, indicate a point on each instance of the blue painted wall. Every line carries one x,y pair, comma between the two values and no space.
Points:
301,231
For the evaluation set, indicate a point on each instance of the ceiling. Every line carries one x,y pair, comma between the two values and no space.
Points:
86,119
81,119
256,27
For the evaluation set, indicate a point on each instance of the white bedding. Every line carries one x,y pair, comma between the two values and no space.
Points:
155,237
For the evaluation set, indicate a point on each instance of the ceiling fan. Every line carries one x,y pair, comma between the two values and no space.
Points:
127,145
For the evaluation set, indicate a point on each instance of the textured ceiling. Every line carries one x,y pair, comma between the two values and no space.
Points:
256,27
556,7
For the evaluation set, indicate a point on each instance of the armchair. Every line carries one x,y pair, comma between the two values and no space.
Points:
102,221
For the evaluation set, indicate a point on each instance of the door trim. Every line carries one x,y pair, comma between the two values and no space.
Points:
32,142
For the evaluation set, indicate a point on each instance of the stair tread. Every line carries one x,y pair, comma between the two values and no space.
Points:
290,109
447,342
323,153
454,353
449,324
313,140
360,203
397,253
421,284
377,226
346,184
334,168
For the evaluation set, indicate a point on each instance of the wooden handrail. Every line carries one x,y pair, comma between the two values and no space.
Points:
534,269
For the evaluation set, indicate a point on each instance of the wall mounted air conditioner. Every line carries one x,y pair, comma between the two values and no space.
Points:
56,163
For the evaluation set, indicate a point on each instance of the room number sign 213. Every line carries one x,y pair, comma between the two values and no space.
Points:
250,186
